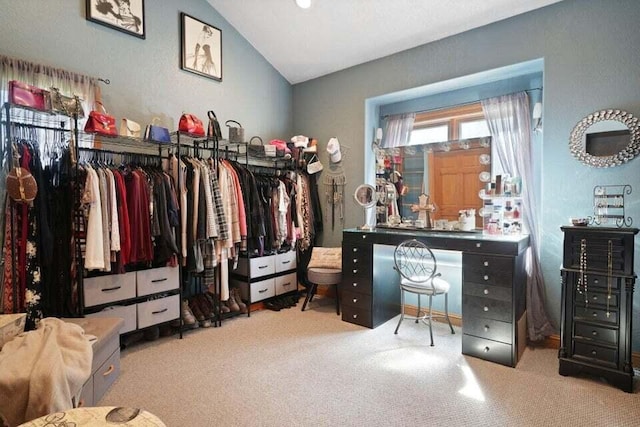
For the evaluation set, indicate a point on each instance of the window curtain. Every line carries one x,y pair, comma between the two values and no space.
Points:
397,130
509,121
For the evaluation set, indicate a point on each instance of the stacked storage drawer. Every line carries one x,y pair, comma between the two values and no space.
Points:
265,277
137,297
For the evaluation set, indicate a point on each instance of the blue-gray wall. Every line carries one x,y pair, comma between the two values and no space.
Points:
146,79
589,50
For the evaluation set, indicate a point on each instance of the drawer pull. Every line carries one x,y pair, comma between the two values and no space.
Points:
355,300
355,249
486,263
486,292
111,289
486,308
486,328
594,353
160,311
108,371
286,284
286,262
355,284
478,245
486,277
262,266
355,316
594,333
594,314
164,279
355,271
486,349
355,260
364,237
596,281
261,291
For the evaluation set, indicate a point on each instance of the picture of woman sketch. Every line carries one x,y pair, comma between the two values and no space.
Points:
124,15
201,48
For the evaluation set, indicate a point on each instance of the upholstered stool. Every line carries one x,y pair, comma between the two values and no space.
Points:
323,276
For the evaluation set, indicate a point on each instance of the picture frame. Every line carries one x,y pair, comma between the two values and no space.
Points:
200,47
126,16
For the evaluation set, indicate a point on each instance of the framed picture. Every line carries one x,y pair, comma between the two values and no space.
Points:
123,15
201,48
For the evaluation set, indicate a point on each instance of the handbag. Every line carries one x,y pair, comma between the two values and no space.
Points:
314,165
213,131
155,133
236,134
66,104
129,128
189,123
101,123
20,184
28,96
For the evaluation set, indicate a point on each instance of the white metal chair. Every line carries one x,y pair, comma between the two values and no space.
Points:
417,266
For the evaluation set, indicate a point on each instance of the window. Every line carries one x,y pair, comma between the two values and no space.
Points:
429,134
473,129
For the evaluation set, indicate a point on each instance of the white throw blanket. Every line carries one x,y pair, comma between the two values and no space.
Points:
42,370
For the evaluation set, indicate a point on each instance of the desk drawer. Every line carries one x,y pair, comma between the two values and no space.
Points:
286,283
157,280
488,291
480,307
356,300
158,311
597,354
487,328
486,269
597,298
285,261
108,289
359,316
596,315
485,349
356,284
600,334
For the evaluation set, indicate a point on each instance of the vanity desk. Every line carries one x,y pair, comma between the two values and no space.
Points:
493,285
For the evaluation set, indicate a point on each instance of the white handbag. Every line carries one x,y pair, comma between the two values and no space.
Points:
314,165
129,128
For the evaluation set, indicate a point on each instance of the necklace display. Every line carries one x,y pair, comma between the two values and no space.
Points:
581,285
609,274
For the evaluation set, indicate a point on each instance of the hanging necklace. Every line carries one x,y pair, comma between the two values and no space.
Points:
609,274
582,278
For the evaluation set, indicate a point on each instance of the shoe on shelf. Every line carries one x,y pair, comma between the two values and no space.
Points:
236,296
187,315
195,309
205,307
232,304
271,305
206,323
223,307
213,304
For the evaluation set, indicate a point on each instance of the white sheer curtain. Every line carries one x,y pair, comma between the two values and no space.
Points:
509,121
397,130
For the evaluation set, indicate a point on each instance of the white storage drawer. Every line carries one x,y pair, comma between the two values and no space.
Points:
286,283
257,267
128,313
157,280
259,290
285,261
108,289
158,311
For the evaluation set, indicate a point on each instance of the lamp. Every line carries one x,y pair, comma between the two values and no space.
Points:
303,4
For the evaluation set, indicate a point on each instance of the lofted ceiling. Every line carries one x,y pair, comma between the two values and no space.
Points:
332,35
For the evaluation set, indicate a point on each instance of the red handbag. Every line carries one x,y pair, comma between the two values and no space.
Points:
28,96
101,123
191,124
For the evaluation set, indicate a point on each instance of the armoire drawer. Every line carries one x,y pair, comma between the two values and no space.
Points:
356,300
158,311
356,284
490,329
106,289
359,316
493,351
594,333
128,313
286,283
501,293
595,314
285,261
256,267
481,307
157,280
596,354
486,269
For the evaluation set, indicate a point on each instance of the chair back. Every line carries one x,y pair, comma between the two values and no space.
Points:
415,261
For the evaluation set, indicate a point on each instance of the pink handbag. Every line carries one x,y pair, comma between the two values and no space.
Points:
28,96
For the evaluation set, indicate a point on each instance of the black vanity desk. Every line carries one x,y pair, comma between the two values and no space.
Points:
493,286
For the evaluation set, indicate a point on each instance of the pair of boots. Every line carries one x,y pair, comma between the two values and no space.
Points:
235,303
203,307
286,301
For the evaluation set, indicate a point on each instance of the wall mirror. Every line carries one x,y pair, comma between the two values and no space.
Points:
606,138
365,196
452,173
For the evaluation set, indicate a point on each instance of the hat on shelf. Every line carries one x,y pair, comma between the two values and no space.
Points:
333,148
300,141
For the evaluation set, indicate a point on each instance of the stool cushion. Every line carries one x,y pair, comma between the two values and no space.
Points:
435,286
324,276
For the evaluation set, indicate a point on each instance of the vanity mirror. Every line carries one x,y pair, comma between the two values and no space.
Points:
365,196
606,138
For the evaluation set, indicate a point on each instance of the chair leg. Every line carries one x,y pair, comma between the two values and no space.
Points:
338,299
310,292
314,289
430,330
418,313
446,311
401,310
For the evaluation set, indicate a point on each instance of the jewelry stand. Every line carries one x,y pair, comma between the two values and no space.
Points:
608,203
